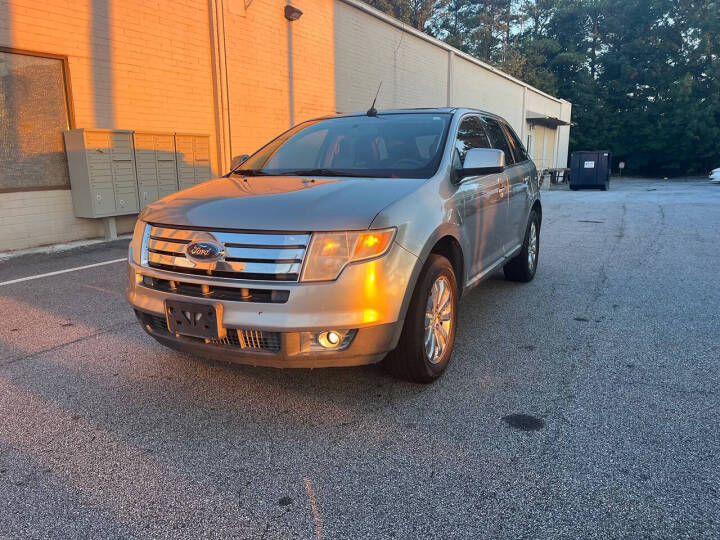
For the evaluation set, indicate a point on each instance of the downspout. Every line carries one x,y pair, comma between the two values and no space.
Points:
523,121
556,163
291,89
450,77
220,85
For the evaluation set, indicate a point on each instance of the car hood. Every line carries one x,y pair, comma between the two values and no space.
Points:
280,203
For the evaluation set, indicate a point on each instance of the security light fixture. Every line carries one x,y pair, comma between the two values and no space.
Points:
292,13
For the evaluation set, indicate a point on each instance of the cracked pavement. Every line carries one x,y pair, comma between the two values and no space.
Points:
583,404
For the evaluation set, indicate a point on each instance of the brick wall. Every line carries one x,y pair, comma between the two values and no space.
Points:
257,57
150,65
133,65
153,65
36,218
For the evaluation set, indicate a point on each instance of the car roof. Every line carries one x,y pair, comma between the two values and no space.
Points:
420,110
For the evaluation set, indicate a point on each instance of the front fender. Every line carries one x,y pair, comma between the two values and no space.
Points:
444,230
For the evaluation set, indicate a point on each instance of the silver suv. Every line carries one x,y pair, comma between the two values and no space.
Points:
344,241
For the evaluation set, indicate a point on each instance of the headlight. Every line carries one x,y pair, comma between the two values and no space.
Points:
330,252
138,239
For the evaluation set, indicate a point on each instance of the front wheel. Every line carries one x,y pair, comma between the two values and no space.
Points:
522,266
428,335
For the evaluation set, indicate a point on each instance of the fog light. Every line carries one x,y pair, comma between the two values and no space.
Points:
329,339
138,277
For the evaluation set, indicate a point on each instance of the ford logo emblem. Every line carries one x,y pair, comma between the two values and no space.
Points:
204,251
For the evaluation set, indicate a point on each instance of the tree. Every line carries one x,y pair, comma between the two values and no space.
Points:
643,76
416,13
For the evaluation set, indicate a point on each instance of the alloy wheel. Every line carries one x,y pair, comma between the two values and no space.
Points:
438,319
532,247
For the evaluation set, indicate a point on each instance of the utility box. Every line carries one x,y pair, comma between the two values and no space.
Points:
193,159
101,163
156,164
590,170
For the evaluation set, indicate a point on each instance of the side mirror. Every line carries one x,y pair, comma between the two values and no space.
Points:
480,161
238,160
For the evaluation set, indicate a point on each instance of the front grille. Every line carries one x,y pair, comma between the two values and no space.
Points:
247,255
258,340
235,294
249,340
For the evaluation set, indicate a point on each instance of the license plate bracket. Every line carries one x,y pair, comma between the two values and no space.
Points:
194,319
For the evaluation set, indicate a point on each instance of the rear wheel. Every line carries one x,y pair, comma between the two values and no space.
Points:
522,266
428,334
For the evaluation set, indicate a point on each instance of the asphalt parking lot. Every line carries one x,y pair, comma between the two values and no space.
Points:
613,351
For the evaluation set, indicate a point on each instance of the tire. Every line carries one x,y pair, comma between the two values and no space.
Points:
411,360
522,267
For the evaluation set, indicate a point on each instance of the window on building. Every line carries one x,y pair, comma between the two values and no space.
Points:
33,115
498,140
470,135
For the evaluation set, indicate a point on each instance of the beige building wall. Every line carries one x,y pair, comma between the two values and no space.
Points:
369,51
542,146
563,135
417,70
475,86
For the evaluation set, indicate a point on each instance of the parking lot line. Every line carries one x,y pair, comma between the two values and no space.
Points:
313,506
38,276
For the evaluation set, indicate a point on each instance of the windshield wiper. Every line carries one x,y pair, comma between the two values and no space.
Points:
303,172
322,172
252,172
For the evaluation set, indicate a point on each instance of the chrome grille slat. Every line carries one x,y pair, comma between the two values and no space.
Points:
266,254
248,255
226,266
231,238
164,245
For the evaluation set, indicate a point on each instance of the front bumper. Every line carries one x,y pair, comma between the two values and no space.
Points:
370,297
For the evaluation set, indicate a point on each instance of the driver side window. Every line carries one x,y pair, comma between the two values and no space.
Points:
470,135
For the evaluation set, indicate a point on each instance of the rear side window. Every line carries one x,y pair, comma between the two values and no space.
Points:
498,139
470,135
517,146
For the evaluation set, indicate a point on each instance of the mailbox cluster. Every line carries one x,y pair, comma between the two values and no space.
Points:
116,172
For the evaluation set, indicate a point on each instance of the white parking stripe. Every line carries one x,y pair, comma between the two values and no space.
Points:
19,280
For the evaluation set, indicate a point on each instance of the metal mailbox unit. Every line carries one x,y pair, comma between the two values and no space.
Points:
193,158
102,172
118,172
590,170
156,163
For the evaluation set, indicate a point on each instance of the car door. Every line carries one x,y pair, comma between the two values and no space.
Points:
521,191
521,188
482,202
515,173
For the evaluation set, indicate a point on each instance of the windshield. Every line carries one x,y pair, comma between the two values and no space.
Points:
388,145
